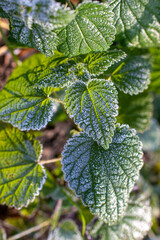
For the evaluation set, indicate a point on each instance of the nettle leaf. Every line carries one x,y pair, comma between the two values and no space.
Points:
24,106
137,22
155,74
94,107
43,38
104,178
97,63
10,6
21,177
135,110
131,76
91,30
134,226
67,230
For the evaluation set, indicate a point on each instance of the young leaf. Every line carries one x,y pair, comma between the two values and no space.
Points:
131,76
134,226
137,22
97,63
104,178
91,30
67,230
135,110
23,105
44,39
21,177
155,74
94,107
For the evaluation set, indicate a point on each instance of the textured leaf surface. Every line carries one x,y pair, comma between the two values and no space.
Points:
131,76
135,110
67,230
94,107
21,177
103,178
134,226
23,105
91,30
44,39
137,22
155,75
97,63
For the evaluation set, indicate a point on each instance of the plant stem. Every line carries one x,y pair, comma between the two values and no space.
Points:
15,58
53,218
80,212
31,230
49,161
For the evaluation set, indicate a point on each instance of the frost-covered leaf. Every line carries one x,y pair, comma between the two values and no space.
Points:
131,76
135,110
155,74
43,38
91,30
97,63
137,22
134,226
23,105
94,107
11,7
21,177
67,230
104,178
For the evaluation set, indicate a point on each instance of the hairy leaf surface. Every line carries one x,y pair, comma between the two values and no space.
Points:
135,110
134,226
97,63
67,230
91,30
131,76
21,177
137,22
44,39
23,105
94,107
104,178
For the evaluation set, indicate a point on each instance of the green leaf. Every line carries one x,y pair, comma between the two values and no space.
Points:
29,63
91,30
135,110
97,63
21,177
134,226
104,178
94,107
24,106
132,75
67,230
10,7
44,39
155,74
137,22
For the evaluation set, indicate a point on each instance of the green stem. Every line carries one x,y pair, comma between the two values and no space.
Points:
15,58
49,161
80,212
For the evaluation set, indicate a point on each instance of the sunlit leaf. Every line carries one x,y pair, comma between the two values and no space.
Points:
91,30
94,107
21,177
